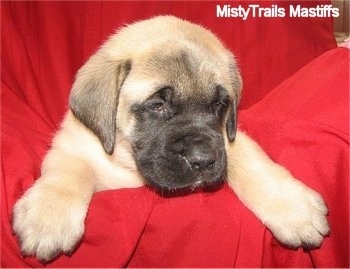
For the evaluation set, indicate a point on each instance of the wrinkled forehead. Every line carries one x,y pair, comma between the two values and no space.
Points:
193,74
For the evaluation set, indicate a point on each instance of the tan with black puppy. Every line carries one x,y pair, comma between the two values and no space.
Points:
157,105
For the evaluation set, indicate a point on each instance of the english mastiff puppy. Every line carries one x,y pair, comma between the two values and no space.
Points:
157,105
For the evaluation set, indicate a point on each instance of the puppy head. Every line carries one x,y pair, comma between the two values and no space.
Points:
169,88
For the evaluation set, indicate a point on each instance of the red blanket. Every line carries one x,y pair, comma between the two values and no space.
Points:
302,123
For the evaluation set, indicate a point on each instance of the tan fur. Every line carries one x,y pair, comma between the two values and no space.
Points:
49,218
292,211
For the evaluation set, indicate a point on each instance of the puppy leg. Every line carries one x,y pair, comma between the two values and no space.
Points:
293,212
49,218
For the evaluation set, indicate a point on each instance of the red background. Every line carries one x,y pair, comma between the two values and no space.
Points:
301,120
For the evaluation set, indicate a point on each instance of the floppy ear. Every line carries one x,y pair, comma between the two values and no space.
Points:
236,82
94,97
231,123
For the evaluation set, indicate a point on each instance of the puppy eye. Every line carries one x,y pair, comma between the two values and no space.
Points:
157,106
218,107
219,103
160,101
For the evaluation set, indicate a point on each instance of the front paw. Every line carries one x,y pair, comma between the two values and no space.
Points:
48,221
298,217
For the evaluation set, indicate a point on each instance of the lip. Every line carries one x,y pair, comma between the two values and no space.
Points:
197,187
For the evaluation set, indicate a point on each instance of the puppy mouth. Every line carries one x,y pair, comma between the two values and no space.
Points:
207,186
202,183
173,174
195,187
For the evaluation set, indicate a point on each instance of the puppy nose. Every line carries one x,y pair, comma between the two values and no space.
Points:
200,160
